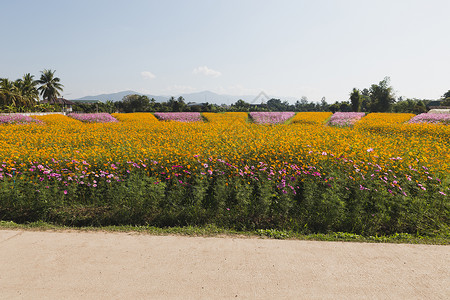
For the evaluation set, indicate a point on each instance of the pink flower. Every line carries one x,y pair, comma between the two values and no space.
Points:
180,116
94,118
271,117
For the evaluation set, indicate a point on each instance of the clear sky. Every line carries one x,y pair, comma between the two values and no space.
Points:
284,48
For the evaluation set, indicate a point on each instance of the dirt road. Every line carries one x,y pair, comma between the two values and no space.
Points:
93,265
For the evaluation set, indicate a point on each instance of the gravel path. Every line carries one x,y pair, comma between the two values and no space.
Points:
97,265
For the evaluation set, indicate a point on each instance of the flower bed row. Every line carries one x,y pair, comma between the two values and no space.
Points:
440,118
271,117
17,119
345,118
136,117
180,116
340,119
94,118
313,118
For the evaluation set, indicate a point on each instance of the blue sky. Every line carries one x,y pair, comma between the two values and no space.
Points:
285,48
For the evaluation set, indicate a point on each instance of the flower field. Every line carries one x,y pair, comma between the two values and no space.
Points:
229,172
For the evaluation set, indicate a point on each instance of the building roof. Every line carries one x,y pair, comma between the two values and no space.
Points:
59,101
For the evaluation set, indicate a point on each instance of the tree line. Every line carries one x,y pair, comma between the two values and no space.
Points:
23,95
377,98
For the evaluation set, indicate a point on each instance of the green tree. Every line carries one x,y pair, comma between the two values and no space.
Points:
27,88
276,105
109,106
404,106
419,107
446,102
9,93
152,106
324,106
334,107
50,87
241,105
355,99
135,103
446,95
179,105
446,99
345,106
381,96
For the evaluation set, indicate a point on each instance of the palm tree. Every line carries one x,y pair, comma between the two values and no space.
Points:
9,94
110,107
26,87
50,86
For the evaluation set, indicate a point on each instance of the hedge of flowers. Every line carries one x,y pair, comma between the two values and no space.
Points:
271,117
17,119
345,118
431,118
180,116
94,118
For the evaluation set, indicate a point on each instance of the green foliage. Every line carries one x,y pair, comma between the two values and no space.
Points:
135,103
22,95
414,106
446,95
355,99
237,203
241,105
381,96
50,87
446,102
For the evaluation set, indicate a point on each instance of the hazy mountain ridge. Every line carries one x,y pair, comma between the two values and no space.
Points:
199,97
119,96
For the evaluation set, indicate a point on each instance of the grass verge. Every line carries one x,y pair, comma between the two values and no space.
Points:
214,231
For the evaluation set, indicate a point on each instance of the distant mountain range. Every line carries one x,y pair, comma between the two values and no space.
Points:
119,96
200,97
